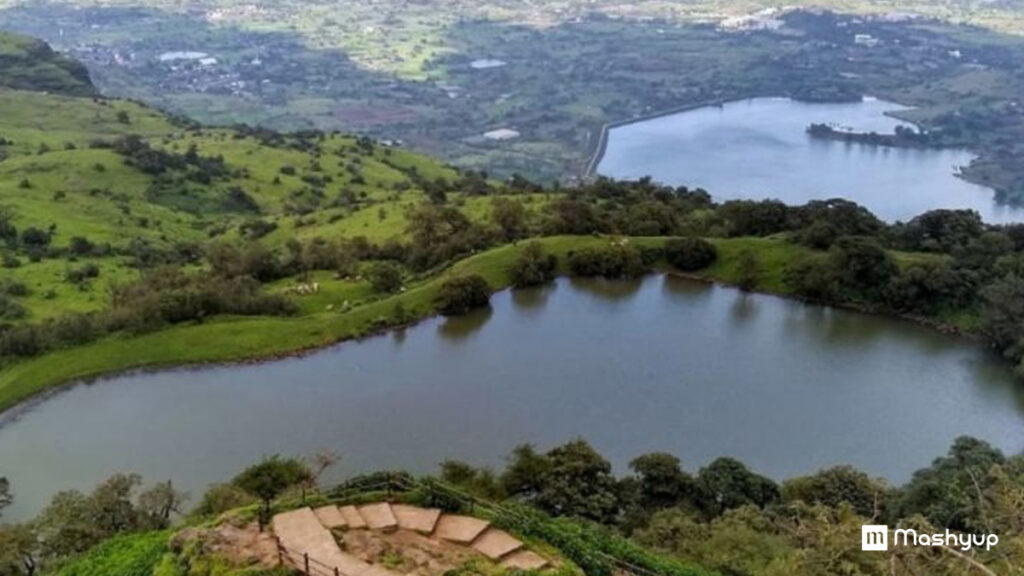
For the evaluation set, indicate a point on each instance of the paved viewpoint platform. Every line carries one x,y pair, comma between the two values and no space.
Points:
309,532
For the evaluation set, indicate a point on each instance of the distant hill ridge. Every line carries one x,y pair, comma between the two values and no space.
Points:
30,64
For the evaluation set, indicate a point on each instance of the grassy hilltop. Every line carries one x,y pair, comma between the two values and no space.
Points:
30,64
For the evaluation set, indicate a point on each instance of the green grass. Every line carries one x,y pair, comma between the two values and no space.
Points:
323,319
132,555
29,64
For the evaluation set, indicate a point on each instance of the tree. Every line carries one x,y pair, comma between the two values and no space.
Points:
65,527
157,504
111,507
525,472
384,277
579,483
220,498
619,260
6,497
663,483
269,478
835,486
812,278
510,218
864,268
19,550
749,268
946,492
690,254
533,267
461,294
727,483
1002,314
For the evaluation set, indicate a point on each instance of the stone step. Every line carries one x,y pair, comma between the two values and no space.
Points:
379,516
352,517
524,560
460,529
496,544
422,520
330,517
300,533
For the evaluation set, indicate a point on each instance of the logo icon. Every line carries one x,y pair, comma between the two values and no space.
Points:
874,538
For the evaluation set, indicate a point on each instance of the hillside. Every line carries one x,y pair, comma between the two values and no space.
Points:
130,238
30,64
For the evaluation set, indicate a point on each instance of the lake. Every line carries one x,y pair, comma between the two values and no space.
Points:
659,364
759,149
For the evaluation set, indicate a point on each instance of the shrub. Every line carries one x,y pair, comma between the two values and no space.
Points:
533,267
384,278
14,288
79,275
11,310
462,294
616,261
690,254
131,555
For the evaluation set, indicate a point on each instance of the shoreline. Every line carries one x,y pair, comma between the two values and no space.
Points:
602,144
13,413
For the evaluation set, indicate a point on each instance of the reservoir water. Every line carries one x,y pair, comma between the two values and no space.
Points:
759,149
659,364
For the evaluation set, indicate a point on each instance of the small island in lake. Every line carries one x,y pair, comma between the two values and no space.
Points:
903,137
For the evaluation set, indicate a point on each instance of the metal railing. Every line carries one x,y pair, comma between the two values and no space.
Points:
397,484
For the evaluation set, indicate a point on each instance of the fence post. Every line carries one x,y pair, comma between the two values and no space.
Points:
305,559
389,486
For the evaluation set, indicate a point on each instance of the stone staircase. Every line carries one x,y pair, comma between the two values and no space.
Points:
306,533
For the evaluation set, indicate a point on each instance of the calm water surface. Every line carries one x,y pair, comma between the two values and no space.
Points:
659,364
758,148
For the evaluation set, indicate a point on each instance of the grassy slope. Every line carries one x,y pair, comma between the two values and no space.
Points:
66,190
30,64
242,339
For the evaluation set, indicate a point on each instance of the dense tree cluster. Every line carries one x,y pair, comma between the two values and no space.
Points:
533,267
690,254
735,521
461,294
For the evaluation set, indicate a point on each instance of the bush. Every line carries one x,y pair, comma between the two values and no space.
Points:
616,261
80,275
533,267
462,294
132,555
384,278
80,246
11,310
690,254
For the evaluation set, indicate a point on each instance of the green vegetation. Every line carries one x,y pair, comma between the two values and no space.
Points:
561,71
30,64
268,479
658,519
130,555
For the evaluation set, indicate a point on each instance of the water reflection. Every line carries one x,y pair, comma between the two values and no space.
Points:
604,289
458,328
532,301
686,288
744,308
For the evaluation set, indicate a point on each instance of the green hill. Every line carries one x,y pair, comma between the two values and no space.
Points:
30,64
